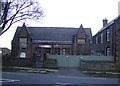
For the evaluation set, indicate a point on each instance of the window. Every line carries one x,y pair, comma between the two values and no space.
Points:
108,34
38,51
108,51
47,50
23,43
81,41
57,51
66,51
101,37
63,52
22,55
96,39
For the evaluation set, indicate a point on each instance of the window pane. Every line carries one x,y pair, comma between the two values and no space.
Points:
23,43
23,39
101,37
108,35
66,51
108,51
57,51
47,50
97,40
38,51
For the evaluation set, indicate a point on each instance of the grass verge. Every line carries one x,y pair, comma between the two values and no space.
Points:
93,70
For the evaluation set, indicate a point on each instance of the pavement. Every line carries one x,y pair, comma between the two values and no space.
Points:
67,72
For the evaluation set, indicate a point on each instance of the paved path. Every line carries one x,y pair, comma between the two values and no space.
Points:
69,72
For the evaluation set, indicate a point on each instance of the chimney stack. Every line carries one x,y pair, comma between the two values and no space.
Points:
104,22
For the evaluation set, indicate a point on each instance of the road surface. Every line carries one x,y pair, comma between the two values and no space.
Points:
34,78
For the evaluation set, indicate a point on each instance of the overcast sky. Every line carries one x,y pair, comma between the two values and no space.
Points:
70,13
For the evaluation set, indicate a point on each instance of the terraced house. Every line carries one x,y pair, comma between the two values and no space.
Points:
35,42
107,41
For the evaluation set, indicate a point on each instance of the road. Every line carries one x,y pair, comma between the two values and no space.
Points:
34,78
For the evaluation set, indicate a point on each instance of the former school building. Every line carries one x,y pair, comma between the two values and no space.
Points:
29,42
75,47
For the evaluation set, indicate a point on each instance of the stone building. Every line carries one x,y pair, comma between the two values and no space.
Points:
35,42
107,41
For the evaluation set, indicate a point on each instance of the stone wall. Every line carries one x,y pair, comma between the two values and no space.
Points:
17,61
98,65
50,63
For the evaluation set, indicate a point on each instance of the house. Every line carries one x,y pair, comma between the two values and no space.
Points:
5,51
35,42
107,40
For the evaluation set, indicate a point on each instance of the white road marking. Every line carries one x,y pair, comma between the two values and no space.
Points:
8,80
62,83
68,77
83,77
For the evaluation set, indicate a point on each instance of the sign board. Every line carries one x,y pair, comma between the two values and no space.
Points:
22,55
45,46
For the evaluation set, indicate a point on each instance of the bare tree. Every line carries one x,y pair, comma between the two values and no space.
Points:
19,10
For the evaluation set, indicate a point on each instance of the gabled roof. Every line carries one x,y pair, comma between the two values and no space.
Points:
62,35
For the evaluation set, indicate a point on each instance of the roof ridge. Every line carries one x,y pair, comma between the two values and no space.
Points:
56,27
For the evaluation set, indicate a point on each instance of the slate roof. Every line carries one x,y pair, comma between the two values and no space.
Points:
52,33
59,35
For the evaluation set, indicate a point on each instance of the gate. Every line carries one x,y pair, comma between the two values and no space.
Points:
66,60
75,60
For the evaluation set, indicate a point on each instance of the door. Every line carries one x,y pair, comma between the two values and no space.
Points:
38,61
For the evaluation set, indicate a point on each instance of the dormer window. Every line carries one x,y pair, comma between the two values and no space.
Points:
23,43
